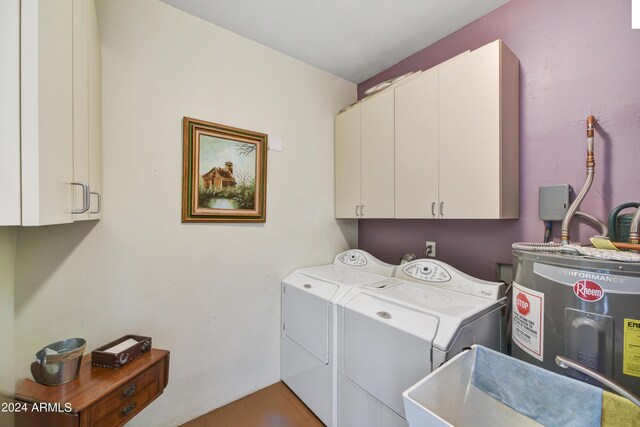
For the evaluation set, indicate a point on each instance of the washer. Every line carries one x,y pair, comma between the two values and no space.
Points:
392,333
309,295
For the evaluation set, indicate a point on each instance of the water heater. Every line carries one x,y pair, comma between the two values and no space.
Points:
584,309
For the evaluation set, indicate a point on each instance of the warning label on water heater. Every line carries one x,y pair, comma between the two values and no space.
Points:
527,314
631,354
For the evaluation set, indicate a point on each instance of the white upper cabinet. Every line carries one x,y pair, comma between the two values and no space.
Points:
87,148
10,209
347,163
376,169
416,147
442,144
58,112
364,159
46,53
95,113
478,146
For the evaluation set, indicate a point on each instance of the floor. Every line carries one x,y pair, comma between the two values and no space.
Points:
273,406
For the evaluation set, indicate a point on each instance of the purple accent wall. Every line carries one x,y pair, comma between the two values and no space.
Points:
577,57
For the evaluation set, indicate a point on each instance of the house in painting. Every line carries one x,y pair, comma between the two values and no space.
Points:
219,177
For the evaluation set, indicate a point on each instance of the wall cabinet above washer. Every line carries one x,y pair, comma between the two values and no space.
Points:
455,140
364,159
53,57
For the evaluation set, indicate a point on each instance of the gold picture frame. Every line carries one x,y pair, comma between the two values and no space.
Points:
224,173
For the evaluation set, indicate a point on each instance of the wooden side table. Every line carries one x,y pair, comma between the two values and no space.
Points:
99,397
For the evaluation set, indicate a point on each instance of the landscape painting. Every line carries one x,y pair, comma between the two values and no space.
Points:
224,173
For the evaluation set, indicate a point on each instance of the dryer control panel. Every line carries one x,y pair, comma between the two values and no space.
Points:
353,258
439,274
427,271
364,261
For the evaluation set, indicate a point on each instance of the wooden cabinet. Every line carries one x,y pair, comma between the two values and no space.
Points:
364,159
58,113
99,397
451,134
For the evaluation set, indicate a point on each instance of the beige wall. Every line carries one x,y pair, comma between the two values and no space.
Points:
210,293
7,262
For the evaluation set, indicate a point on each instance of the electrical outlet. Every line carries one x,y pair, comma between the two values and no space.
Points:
430,251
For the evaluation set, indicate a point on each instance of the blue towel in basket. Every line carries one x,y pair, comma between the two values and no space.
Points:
548,398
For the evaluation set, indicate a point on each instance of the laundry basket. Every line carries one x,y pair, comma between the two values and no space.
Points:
481,387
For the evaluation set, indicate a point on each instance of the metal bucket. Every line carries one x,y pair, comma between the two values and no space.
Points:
60,364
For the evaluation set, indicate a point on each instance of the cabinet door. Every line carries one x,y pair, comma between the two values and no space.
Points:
377,154
347,163
416,151
469,149
87,149
80,103
46,111
95,112
10,112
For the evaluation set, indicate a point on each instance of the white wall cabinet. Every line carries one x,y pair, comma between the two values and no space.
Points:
416,147
9,112
364,159
347,163
87,146
59,112
454,138
479,135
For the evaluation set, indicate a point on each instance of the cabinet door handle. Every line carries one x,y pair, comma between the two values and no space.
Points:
128,409
357,206
361,210
86,194
433,208
99,202
441,208
129,390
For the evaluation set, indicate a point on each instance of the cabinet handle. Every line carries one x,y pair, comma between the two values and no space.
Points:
361,210
129,390
441,208
86,194
99,202
433,208
357,206
128,409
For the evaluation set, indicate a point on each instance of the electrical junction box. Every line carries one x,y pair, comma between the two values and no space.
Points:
554,202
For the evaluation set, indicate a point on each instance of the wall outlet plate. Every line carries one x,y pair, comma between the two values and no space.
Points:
554,202
430,250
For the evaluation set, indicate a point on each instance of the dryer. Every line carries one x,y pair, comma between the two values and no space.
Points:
308,335
392,333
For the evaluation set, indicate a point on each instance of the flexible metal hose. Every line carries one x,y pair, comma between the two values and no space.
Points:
591,166
603,227
550,247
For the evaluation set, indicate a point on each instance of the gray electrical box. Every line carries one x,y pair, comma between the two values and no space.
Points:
554,202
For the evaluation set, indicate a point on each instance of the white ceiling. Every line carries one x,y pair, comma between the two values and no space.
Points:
353,39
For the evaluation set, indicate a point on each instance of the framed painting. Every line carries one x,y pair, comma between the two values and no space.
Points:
224,173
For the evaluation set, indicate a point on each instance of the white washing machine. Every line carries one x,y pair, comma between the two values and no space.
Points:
392,333
309,295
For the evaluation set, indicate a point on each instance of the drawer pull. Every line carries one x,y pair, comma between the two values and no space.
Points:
128,409
129,390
